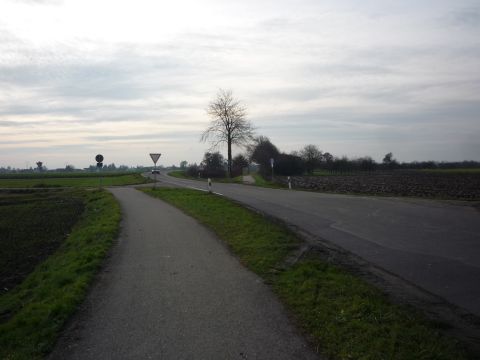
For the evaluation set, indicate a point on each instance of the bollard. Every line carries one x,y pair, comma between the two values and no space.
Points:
209,185
289,183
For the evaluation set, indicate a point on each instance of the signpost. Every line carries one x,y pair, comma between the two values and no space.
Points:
99,159
155,157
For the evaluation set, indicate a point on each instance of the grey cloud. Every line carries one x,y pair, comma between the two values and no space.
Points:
103,81
446,132
127,75
7,123
450,113
466,17
349,69
151,136
22,142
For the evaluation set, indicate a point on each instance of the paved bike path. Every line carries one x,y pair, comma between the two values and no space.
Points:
171,290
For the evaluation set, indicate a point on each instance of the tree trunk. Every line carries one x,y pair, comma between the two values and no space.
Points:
229,158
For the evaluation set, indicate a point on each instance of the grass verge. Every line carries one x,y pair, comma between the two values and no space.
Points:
262,182
33,313
182,175
73,181
247,233
345,317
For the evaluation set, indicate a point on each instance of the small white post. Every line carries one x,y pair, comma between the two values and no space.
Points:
209,185
289,183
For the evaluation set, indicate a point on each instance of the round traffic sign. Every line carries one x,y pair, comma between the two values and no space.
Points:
99,158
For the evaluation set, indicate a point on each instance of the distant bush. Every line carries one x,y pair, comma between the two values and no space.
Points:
193,170
289,165
213,165
239,162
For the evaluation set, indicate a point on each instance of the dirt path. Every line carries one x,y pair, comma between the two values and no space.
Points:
171,290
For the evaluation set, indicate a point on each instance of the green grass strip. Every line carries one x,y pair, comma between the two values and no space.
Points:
345,317
260,245
64,174
180,174
81,181
350,319
33,313
262,182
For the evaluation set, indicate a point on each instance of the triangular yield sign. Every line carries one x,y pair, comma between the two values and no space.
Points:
155,157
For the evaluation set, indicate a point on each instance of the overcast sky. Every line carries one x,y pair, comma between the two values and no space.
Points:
124,78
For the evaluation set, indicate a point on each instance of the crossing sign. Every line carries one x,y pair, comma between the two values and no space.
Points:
155,157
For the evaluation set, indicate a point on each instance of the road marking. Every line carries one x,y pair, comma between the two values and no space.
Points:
195,188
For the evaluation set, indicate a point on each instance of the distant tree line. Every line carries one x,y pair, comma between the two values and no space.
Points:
308,160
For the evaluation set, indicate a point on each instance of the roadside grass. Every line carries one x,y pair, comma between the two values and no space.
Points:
350,319
262,182
182,175
344,317
63,174
74,181
246,232
33,313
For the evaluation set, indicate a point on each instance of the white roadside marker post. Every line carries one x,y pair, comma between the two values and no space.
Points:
272,162
289,183
209,185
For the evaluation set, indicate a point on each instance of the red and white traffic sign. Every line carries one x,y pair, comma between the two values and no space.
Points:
155,157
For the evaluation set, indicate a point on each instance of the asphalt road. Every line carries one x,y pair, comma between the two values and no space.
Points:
435,245
171,290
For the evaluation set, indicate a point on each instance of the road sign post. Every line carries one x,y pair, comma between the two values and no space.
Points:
155,157
99,159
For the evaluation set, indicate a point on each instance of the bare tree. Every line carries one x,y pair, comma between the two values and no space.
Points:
229,124
312,157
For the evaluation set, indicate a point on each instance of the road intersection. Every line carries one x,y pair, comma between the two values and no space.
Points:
435,245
